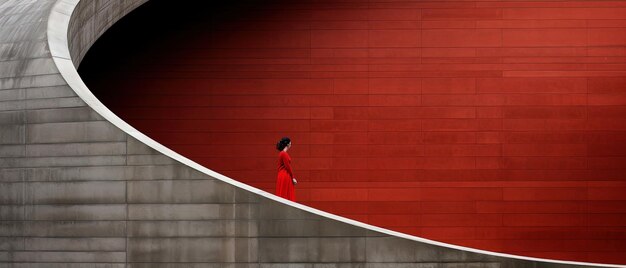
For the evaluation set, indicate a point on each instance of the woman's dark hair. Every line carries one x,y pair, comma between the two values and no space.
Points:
283,143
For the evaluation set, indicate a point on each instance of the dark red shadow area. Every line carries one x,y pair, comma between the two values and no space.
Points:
494,125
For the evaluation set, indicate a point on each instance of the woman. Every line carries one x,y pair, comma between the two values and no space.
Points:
285,184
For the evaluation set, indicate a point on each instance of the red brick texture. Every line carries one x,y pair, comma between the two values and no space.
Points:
495,125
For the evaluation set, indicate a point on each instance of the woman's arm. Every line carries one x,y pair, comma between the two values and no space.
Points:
284,158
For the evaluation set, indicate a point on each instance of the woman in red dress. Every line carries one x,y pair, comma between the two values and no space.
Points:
285,183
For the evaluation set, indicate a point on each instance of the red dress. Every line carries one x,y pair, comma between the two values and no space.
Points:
284,182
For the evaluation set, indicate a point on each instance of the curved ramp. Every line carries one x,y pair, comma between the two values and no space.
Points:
81,188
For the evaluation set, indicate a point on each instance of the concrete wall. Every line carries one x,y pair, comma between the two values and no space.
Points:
76,191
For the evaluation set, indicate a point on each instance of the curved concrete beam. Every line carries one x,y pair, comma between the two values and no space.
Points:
82,188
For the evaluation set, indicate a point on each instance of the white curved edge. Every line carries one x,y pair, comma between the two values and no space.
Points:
58,24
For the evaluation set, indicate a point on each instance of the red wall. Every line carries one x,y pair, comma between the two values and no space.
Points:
495,125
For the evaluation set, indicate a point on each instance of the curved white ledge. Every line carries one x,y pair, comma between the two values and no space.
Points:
58,25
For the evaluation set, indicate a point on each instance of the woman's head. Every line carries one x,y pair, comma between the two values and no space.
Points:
284,142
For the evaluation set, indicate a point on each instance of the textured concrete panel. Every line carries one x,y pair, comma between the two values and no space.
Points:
11,243
119,172
49,92
76,149
61,256
75,212
288,250
205,228
9,67
192,265
73,132
13,151
41,66
390,249
32,81
342,249
12,117
12,134
158,172
86,173
62,115
12,212
22,33
247,228
289,228
69,102
75,244
12,95
180,191
62,265
137,160
12,51
246,250
403,265
13,105
70,228
97,192
62,161
12,175
181,249
314,265
335,228
11,228
463,256
180,211
246,211
11,193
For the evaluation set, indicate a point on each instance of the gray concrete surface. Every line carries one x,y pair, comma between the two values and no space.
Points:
76,191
